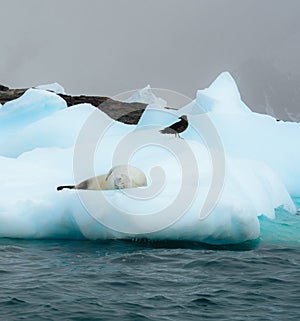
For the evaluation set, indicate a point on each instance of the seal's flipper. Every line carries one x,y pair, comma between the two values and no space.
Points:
109,173
59,188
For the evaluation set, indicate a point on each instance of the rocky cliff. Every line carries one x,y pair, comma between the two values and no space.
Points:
128,113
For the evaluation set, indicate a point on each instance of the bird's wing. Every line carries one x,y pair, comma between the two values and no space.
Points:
176,125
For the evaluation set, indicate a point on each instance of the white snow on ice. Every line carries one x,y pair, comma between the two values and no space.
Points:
54,87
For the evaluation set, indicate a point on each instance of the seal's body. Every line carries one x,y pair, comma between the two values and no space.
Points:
119,177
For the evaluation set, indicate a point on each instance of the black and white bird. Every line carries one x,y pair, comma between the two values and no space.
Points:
177,127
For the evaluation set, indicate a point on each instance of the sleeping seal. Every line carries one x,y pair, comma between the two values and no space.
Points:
119,177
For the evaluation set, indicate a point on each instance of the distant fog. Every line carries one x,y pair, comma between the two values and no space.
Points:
108,47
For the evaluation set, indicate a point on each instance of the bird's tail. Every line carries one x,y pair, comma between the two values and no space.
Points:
167,130
59,188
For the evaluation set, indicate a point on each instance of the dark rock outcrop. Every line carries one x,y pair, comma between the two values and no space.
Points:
128,113
7,94
3,88
75,100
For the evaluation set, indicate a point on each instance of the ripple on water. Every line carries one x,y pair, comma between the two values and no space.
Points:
116,280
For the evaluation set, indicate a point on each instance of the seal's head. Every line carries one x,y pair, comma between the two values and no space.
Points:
122,181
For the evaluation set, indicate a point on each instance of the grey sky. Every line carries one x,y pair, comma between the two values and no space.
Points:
106,47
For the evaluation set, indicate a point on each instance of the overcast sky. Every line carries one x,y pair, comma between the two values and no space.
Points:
107,47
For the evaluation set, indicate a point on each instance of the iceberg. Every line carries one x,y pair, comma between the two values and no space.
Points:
146,96
232,167
54,87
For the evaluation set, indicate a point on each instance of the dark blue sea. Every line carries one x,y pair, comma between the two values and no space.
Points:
127,280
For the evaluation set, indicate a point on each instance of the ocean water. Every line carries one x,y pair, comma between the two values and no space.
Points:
126,280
